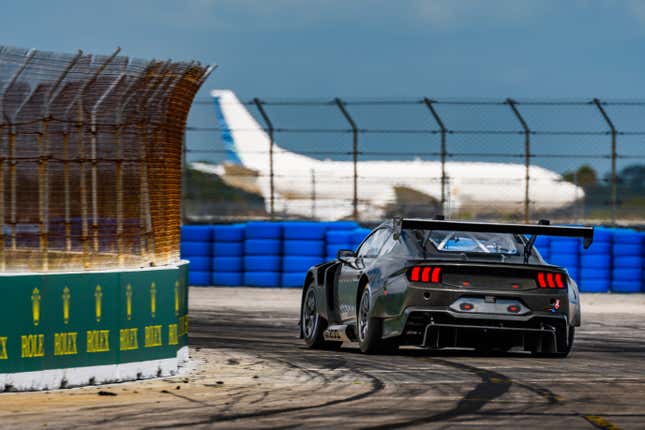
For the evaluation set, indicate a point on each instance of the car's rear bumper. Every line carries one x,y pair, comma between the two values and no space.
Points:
435,329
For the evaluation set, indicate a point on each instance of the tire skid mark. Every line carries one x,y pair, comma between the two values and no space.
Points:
376,386
492,386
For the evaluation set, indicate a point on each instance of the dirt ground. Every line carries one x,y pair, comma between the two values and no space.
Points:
249,370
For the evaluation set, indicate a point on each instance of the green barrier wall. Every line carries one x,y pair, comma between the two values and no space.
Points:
59,321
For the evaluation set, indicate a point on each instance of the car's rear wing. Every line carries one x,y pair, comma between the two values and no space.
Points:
488,227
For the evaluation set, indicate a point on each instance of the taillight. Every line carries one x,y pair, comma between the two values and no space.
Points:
426,274
550,280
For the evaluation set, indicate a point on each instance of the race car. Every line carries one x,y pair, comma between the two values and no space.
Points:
439,284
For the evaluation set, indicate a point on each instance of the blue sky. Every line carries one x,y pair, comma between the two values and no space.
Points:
369,48
286,48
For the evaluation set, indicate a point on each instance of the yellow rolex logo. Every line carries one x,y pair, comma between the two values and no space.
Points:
153,299
98,302
66,297
128,298
176,297
35,305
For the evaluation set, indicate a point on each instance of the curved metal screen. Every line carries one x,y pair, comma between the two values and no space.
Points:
90,159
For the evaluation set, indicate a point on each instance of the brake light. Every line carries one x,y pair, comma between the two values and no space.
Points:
436,273
426,274
550,280
414,274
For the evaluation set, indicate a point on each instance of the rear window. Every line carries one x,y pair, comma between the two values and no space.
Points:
463,241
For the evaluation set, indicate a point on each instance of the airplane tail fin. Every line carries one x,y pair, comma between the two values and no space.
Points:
244,139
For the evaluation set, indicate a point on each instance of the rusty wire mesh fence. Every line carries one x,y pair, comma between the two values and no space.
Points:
90,159
595,145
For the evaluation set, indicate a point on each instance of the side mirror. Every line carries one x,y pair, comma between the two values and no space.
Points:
344,254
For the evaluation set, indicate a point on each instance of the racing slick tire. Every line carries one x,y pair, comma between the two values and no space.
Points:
370,329
313,325
563,349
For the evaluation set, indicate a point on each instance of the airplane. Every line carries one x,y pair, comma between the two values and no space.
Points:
381,185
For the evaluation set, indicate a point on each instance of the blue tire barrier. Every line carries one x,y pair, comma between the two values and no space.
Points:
627,275
200,264
228,249
596,248
299,264
304,230
292,280
594,286
626,262
228,264
330,258
628,238
262,279
200,279
626,286
574,273
545,253
195,249
542,242
565,260
339,236
595,261
227,279
262,263
564,246
595,274
342,225
359,235
627,249
262,247
314,248
263,230
196,233
228,233
602,235
333,249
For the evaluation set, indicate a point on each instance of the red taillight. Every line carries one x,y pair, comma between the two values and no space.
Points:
541,281
425,274
550,280
414,274
435,275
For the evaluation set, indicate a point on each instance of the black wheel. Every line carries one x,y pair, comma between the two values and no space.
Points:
564,346
313,325
369,329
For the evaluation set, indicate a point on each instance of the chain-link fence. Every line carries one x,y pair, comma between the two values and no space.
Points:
90,159
596,146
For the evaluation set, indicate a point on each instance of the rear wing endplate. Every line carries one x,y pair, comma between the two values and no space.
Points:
488,227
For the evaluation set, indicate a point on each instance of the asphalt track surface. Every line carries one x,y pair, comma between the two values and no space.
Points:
250,370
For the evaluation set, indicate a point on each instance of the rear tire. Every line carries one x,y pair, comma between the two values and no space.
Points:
369,330
313,325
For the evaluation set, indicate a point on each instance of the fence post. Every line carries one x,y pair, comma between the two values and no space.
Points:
614,155
443,130
259,104
119,175
12,147
352,124
527,156
43,163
